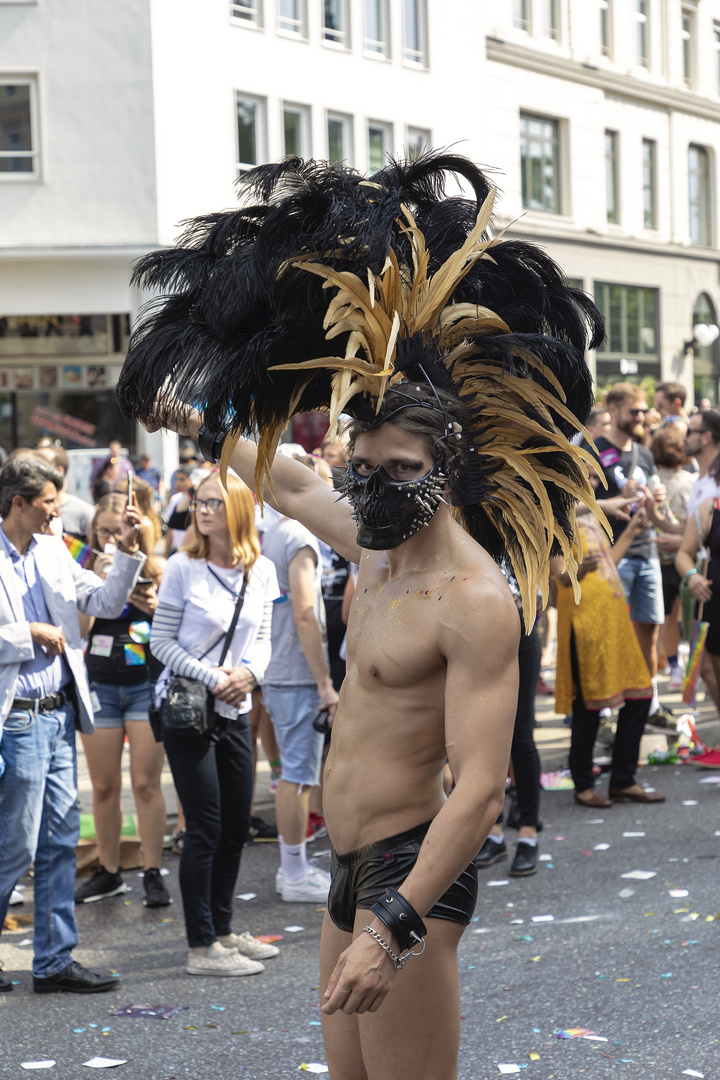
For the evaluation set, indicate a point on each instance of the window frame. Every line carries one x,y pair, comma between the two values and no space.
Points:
425,140
384,50
417,58
642,32
526,170
649,166
716,39
300,21
255,20
688,44
705,222
34,153
647,360
606,29
305,128
385,127
612,176
331,116
338,39
522,15
260,105
551,20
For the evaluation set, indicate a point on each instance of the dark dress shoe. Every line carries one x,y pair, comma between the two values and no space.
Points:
76,980
525,861
596,801
491,852
5,984
641,796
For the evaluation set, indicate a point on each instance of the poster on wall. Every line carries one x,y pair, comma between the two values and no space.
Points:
96,376
4,380
24,378
72,375
48,379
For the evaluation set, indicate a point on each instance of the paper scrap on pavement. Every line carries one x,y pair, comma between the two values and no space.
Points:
36,1064
546,858
633,834
678,892
293,929
689,802
601,847
705,780
626,893
597,1038
246,895
509,1068
314,1067
153,1012
104,1063
640,875
692,1072
543,918
502,881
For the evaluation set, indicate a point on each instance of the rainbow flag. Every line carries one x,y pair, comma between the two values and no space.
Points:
81,553
692,671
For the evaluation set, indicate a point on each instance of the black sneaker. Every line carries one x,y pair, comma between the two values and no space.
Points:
491,852
100,886
260,830
662,722
156,895
525,861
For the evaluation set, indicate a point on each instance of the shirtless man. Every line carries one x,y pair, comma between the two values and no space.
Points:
431,674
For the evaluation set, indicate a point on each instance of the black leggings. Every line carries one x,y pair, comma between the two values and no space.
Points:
524,755
214,781
585,722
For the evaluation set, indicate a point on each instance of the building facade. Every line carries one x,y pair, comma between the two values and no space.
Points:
600,119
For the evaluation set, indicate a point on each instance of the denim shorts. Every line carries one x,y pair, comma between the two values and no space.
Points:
642,582
120,703
292,710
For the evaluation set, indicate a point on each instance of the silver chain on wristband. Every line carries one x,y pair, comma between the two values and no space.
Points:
398,961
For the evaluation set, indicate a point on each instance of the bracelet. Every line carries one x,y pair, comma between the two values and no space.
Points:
210,443
690,574
399,962
400,917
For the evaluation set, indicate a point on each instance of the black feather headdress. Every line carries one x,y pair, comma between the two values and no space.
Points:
326,288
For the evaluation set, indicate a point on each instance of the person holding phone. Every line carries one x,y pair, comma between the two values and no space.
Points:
121,669
213,772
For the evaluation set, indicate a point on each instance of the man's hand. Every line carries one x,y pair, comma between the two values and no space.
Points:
48,637
328,698
239,682
362,977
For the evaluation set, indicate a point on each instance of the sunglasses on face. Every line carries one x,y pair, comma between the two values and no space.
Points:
638,412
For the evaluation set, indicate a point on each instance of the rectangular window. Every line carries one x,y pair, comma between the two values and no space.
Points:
631,315
606,29
292,17
716,38
250,131
339,136
642,40
540,163
380,139
377,28
18,140
649,150
414,32
551,19
687,38
336,23
521,15
612,166
247,11
296,130
700,217
418,140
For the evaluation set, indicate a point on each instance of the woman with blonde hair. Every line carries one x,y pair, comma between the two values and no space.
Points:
119,669
213,772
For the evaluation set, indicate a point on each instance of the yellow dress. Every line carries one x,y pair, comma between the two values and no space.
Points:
611,664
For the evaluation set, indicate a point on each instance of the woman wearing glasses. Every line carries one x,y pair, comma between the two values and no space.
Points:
120,668
213,773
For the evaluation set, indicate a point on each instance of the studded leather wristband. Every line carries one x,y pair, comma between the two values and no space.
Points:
401,919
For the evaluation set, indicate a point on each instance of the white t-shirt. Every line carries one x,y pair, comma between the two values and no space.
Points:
207,594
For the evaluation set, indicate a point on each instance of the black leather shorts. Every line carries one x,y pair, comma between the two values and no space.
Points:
361,877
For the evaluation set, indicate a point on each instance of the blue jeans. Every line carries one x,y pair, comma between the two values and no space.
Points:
40,821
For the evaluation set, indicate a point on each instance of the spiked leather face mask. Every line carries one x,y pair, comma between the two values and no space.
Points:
389,511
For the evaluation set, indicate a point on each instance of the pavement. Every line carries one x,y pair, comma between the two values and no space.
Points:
632,960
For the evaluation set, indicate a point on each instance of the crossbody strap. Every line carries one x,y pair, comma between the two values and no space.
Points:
238,607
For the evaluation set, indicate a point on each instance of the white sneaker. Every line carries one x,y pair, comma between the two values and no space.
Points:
247,945
223,962
313,888
279,879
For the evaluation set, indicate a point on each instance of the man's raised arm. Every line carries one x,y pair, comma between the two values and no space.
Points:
296,491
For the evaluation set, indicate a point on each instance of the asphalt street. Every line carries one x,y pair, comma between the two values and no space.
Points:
619,956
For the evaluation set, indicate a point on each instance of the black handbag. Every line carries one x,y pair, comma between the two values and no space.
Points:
189,708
